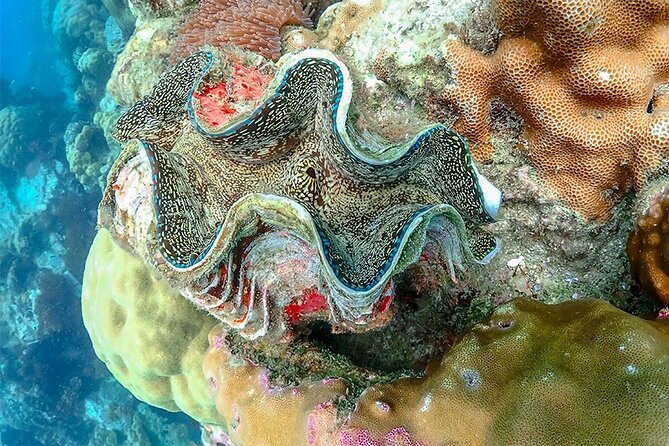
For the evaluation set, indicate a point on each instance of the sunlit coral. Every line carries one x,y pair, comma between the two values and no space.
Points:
251,24
151,341
587,78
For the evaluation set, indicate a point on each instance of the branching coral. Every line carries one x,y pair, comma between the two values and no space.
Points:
251,24
648,246
586,77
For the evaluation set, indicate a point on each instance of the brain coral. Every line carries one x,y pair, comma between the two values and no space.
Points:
251,24
581,372
152,341
648,246
587,78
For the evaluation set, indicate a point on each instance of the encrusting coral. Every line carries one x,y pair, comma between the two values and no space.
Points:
586,77
251,24
581,372
648,245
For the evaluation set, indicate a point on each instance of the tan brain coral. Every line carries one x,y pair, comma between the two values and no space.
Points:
588,79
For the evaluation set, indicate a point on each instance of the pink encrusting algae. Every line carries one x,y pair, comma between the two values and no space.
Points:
217,104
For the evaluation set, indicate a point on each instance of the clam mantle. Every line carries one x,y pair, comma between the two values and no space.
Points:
289,212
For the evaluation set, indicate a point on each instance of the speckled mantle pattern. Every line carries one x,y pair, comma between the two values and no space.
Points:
295,163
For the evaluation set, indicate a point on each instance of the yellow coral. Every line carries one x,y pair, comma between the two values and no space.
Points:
244,397
151,339
580,372
586,77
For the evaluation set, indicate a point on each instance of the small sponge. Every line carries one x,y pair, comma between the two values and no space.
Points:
648,246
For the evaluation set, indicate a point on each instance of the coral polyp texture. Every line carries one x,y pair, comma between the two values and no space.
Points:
251,24
580,372
533,374
648,245
285,211
587,79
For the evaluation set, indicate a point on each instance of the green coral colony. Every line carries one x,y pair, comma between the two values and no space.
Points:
290,185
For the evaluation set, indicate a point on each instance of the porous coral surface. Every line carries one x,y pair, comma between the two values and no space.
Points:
580,372
585,77
152,342
251,24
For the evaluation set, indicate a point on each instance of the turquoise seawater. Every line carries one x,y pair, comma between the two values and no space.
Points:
53,389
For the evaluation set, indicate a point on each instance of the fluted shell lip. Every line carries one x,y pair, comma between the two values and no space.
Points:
492,197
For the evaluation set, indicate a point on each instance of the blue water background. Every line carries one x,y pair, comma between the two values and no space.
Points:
53,389
28,57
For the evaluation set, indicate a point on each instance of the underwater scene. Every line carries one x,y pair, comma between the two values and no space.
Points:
334,223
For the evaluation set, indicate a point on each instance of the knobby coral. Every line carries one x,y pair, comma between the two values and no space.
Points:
581,372
151,341
586,77
19,143
251,24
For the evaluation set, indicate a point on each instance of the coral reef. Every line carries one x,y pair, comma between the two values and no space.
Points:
19,142
575,373
295,193
252,24
122,300
567,86
580,372
143,60
48,371
648,244
399,71
88,154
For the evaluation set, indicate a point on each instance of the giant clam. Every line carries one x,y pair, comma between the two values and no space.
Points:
288,213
